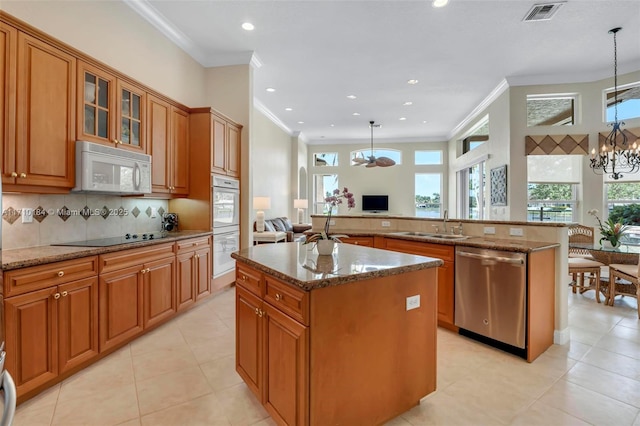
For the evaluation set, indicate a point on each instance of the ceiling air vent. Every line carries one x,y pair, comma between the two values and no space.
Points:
542,12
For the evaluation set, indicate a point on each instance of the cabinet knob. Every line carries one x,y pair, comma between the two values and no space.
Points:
56,296
197,256
61,273
244,277
23,175
260,313
278,296
64,294
257,310
14,174
144,271
356,243
148,269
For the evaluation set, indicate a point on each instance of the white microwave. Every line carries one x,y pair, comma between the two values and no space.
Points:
104,169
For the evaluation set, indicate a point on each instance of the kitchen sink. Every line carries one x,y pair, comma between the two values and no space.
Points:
432,235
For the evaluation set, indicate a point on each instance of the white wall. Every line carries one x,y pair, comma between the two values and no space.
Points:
271,166
397,181
114,34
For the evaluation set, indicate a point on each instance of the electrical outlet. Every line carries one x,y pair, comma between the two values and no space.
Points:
413,302
332,222
386,223
490,230
516,232
154,212
27,215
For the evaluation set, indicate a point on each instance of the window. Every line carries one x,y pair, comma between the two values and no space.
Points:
551,110
623,205
428,157
478,135
394,154
552,184
471,188
325,159
555,202
428,187
628,102
323,186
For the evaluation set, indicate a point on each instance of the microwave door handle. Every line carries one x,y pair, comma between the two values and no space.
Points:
136,176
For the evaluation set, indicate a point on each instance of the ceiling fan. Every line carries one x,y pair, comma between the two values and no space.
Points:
372,161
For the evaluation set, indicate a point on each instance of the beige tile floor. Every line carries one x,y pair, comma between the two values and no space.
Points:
183,374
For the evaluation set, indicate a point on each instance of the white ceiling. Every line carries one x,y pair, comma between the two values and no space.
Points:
316,52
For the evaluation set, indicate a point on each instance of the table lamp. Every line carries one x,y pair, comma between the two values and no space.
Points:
260,204
300,204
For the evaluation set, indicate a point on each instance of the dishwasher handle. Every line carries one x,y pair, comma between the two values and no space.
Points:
512,260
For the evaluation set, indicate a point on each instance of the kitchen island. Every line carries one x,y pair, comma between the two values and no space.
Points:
348,338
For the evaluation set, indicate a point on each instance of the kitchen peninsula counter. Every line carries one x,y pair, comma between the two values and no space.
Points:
40,255
348,338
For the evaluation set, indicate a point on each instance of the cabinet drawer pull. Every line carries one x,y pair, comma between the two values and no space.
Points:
64,294
260,313
61,273
278,296
257,310
23,175
56,296
244,277
14,174
143,271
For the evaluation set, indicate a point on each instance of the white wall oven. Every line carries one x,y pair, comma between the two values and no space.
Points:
225,210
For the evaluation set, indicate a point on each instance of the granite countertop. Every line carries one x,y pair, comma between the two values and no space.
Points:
300,265
33,256
519,246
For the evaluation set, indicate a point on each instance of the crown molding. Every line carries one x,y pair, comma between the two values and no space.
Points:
271,116
495,93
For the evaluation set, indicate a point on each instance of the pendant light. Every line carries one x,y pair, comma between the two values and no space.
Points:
616,156
372,161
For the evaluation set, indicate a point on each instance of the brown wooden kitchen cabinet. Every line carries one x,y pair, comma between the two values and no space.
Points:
39,157
137,291
272,353
168,140
110,110
446,273
50,328
359,241
194,271
218,136
8,57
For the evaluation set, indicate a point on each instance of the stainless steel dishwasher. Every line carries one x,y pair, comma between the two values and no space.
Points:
490,294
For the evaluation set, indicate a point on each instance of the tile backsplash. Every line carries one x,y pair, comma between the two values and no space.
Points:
75,217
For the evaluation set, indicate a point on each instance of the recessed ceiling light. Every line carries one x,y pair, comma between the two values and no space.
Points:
300,122
424,121
332,125
407,103
412,81
270,89
351,96
356,113
288,109
248,26
402,118
440,3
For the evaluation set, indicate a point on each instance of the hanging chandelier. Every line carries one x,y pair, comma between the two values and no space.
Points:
616,156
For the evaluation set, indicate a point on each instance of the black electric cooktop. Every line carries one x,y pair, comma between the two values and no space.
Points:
114,241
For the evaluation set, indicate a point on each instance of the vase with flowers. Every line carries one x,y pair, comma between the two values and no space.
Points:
612,232
323,240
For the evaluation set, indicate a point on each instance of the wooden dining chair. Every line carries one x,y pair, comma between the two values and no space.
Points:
584,269
580,234
623,281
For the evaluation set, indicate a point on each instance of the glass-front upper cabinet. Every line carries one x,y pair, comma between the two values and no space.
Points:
110,110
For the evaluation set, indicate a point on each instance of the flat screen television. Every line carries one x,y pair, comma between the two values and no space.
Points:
375,203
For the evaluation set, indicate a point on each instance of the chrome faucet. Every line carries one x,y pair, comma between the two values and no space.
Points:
444,221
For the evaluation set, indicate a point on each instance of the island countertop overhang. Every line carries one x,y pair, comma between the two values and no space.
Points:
300,265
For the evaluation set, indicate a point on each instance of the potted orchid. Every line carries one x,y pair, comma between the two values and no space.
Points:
612,232
324,241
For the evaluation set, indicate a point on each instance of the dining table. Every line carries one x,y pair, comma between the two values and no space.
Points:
625,254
